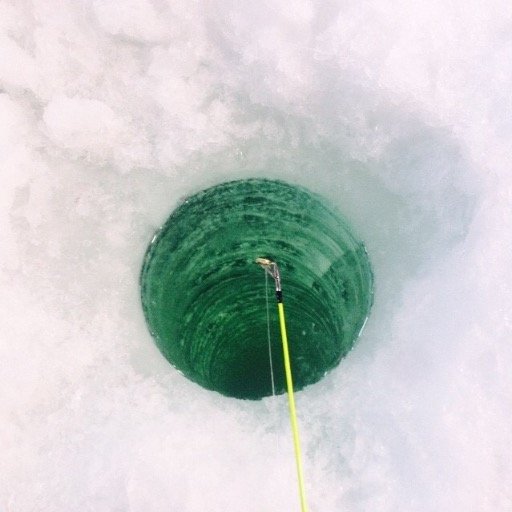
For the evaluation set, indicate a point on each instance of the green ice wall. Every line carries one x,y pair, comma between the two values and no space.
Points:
204,297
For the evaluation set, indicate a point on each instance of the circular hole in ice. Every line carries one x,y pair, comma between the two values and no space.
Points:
204,298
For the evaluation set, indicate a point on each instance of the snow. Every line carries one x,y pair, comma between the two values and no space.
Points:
398,112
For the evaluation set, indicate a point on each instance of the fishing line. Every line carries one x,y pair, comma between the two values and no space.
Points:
268,337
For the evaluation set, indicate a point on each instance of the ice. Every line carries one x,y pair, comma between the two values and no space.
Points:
398,112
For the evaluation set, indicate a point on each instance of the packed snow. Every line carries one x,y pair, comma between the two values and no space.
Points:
398,112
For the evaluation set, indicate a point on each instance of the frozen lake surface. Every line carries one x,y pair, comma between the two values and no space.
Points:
398,112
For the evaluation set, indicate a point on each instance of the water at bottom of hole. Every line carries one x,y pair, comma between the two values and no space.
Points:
204,298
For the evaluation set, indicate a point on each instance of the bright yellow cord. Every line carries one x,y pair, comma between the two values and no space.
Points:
291,402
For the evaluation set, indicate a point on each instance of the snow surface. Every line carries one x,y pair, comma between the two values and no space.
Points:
398,111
